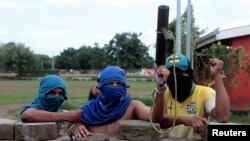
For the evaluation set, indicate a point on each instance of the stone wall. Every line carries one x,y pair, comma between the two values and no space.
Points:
129,130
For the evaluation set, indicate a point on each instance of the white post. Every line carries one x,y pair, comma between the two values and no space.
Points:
178,27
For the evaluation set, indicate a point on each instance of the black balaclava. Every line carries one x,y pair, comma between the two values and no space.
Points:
184,84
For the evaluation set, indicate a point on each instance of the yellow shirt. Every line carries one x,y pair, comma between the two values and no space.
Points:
200,103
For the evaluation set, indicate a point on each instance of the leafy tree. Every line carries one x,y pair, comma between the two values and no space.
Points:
68,59
84,56
44,62
127,51
195,30
16,58
98,57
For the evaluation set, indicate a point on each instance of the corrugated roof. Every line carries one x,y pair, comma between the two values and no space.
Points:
217,35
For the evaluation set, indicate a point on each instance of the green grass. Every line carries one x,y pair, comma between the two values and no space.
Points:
24,91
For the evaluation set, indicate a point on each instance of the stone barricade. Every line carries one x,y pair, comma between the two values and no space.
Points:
129,130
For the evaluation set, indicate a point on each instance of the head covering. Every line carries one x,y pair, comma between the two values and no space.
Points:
181,62
51,103
184,83
178,60
49,83
111,73
113,101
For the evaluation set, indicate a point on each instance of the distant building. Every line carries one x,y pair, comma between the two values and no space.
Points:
239,93
146,72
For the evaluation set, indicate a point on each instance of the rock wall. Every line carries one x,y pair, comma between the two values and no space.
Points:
129,130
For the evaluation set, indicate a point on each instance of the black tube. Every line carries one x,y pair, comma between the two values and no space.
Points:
161,41
161,37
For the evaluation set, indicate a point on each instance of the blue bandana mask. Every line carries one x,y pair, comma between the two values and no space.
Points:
111,73
112,95
53,103
113,101
47,84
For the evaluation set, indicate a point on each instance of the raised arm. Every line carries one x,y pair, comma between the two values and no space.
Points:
158,107
221,112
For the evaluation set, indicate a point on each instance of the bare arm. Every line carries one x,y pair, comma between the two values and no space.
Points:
221,112
158,106
35,115
196,122
139,111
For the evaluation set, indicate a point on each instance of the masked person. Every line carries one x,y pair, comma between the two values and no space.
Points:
52,93
94,92
100,115
188,104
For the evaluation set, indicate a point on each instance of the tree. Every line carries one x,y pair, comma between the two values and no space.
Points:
16,58
84,56
195,30
44,62
127,51
98,57
67,59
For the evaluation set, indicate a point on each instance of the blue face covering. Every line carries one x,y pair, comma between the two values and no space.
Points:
113,95
48,103
111,104
53,103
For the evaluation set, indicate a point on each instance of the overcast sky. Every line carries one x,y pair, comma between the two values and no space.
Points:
50,26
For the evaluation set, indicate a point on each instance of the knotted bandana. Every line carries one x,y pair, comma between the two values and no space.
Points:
51,103
113,101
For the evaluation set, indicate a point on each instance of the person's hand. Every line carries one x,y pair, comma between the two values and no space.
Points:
129,93
74,116
198,123
161,71
216,66
79,130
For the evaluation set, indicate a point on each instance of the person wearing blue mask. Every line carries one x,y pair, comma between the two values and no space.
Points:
52,93
100,115
189,105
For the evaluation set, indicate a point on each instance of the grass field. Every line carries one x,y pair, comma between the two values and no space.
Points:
24,91
20,91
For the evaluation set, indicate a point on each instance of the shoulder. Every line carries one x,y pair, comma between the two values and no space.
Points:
30,110
136,102
204,89
204,93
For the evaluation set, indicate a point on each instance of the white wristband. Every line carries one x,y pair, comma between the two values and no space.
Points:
158,92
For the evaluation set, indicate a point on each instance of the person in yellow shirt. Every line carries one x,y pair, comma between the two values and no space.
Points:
189,105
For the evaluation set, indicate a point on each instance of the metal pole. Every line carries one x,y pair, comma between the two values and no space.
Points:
188,29
178,27
53,61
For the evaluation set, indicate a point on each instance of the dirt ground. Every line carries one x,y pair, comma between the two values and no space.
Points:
6,108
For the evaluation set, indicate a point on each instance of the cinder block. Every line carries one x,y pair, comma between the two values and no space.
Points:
36,131
138,130
92,138
176,139
7,129
62,138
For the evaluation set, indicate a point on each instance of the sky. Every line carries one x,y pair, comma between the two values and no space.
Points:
51,26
